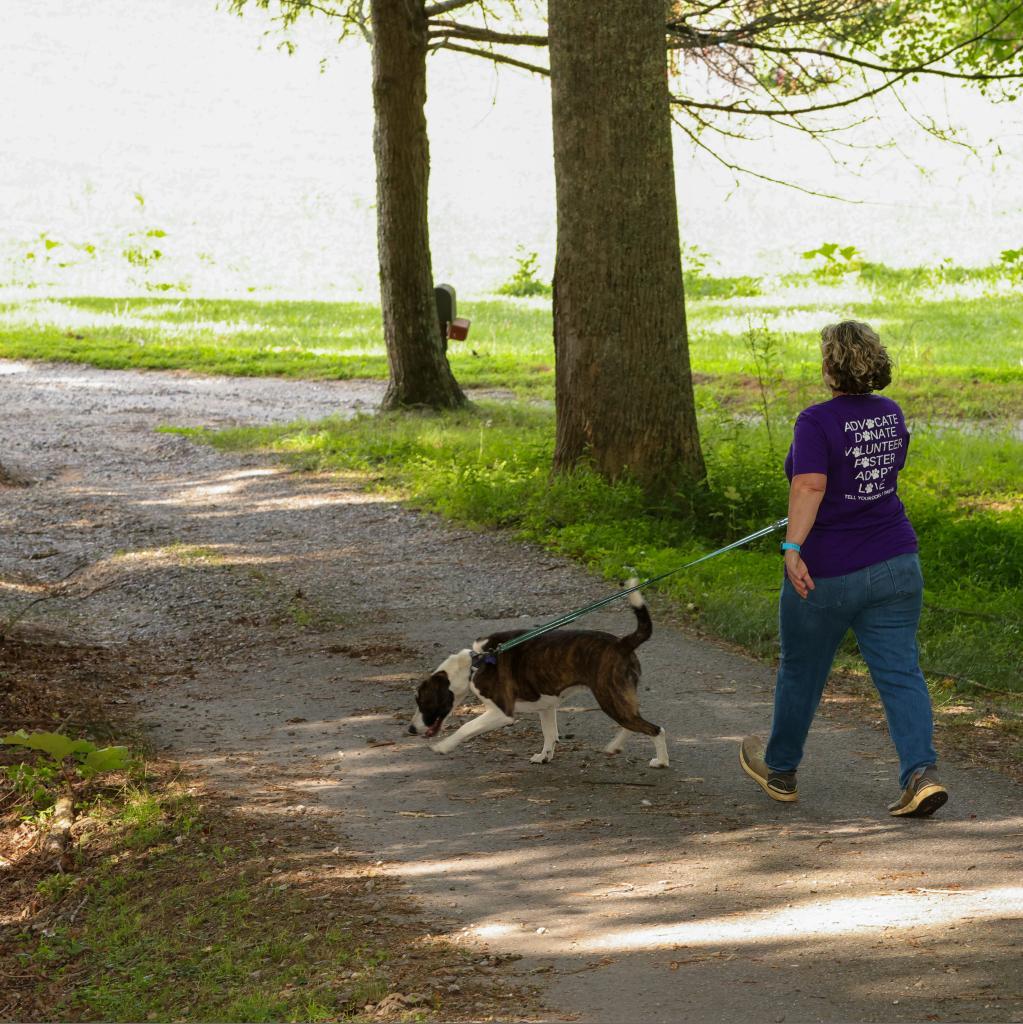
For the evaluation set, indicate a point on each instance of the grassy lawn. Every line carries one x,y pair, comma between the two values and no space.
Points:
184,907
959,330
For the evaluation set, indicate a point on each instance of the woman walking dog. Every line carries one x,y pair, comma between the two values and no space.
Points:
850,563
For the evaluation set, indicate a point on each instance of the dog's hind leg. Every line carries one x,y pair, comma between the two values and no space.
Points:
617,745
660,759
622,706
549,725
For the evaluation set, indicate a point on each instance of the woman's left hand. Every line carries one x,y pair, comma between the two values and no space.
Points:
798,574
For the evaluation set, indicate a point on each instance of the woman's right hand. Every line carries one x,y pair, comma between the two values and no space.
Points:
798,574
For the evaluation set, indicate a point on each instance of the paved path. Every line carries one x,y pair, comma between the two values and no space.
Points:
293,612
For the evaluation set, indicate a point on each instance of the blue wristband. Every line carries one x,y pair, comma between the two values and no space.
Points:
787,545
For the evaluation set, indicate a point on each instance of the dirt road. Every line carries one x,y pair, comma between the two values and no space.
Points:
290,614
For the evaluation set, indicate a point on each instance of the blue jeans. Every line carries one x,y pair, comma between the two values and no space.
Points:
881,605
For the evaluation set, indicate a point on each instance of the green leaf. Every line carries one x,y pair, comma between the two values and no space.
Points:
108,759
57,745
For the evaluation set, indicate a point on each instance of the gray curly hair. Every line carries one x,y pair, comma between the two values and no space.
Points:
855,361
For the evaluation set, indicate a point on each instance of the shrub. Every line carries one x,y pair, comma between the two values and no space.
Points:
1012,263
524,282
837,260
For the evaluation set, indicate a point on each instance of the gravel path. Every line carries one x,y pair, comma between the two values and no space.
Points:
290,613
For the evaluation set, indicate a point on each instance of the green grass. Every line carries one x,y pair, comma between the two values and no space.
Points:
178,904
182,918
316,340
954,333
490,467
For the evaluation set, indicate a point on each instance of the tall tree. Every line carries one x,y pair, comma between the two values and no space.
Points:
420,374
624,391
402,33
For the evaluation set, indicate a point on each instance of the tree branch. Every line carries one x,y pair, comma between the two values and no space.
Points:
740,108
870,66
484,35
497,58
739,169
798,15
448,5
744,37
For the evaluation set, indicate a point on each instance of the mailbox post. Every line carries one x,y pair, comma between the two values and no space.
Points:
451,325
444,294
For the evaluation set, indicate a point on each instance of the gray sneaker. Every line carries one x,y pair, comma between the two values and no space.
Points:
777,785
923,795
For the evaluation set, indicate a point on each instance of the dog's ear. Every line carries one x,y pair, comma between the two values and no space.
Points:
435,698
434,684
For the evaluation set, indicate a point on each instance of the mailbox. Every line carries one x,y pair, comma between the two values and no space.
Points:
458,329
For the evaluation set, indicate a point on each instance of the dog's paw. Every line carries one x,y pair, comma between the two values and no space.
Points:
659,763
544,757
613,748
441,748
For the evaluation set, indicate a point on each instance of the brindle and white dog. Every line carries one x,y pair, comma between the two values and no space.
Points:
534,677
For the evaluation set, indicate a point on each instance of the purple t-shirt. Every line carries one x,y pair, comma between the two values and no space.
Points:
859,442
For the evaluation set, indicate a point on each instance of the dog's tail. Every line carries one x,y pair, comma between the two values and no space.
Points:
644,624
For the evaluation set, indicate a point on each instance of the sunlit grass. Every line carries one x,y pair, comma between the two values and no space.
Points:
941,339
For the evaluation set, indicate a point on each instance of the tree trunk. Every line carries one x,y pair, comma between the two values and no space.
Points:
624,391
420,374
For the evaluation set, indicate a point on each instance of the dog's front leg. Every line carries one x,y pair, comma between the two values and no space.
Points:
492,718
549,725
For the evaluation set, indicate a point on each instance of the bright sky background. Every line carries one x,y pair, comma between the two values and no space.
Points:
259,165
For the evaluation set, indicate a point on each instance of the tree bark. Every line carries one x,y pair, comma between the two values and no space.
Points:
624,391
420,374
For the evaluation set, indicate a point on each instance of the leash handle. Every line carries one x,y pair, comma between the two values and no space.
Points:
564,620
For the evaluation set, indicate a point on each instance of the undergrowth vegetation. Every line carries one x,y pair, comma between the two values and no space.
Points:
180,908
151,897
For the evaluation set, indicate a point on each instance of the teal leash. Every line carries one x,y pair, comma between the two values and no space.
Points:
580,612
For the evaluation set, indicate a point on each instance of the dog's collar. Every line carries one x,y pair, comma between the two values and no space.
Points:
477,659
